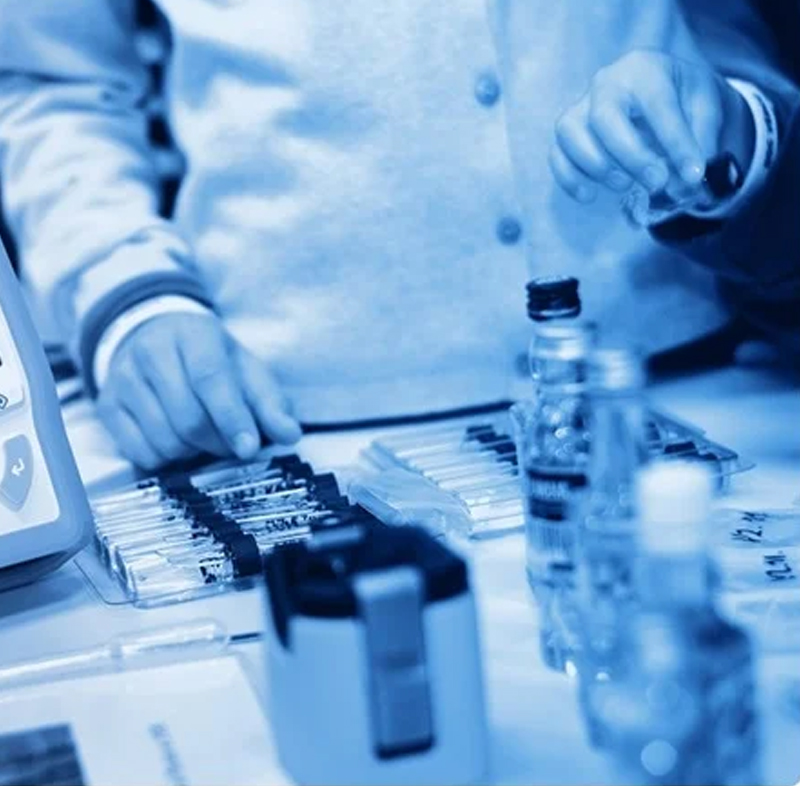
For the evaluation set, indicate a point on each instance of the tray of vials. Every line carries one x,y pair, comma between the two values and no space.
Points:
476,462
182,535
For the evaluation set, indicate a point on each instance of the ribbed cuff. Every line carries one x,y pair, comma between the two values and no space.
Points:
764,153
126,296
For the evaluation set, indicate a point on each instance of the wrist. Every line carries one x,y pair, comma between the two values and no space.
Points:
751,139
128,322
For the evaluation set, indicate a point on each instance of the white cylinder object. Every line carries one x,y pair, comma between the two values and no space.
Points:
675,506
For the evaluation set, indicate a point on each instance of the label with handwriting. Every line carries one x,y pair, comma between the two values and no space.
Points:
744,528
759,568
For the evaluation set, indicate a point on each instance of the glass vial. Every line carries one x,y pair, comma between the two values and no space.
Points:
608,516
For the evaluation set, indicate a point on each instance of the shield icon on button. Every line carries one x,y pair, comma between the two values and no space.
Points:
3,401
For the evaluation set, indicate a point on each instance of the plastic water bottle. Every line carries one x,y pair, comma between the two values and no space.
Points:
552,447
681,707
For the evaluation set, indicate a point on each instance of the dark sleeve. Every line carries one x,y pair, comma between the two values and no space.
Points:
756,252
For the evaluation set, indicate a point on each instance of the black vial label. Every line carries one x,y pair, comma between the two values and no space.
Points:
550,494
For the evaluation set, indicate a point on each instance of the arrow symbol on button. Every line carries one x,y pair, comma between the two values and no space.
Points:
18,468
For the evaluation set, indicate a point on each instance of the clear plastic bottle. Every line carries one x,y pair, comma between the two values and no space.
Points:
681,708
556,442
552,449
550,300
608,517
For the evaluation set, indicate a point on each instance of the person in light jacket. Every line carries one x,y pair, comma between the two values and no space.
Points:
347,243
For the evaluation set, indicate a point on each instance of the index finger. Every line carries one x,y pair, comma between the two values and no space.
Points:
662,111
216,385
610,120
269,406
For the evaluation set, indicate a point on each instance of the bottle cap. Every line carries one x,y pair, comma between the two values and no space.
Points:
553,297
616,370
674,507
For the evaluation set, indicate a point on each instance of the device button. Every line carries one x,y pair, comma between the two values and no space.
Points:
16,483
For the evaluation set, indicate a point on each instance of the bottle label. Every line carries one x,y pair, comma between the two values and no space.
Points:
550,494
754,568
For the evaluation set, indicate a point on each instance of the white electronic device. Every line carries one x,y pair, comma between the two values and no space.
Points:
44,513
374,659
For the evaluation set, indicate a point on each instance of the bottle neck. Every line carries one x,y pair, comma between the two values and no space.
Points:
558,353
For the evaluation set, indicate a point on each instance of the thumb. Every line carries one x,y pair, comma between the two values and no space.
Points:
266,401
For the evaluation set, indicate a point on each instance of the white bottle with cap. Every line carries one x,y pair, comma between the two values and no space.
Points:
681,709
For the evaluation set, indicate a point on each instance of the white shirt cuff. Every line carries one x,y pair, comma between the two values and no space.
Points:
765,151
133,318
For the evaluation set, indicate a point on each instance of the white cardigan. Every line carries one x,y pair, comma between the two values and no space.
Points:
348,206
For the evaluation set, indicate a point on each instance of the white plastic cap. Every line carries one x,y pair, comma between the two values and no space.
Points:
674,507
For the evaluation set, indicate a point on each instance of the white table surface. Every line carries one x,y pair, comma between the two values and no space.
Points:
536,732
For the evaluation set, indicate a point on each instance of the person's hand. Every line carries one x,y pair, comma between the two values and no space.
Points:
180,385
649,118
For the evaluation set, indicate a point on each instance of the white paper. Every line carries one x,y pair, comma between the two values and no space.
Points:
760,528
196,723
